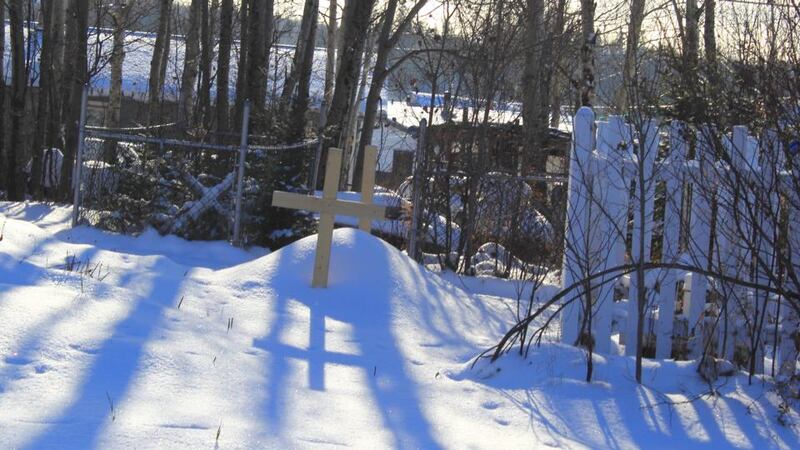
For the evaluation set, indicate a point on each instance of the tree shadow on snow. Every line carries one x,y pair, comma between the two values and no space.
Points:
15,274
640,414
114,366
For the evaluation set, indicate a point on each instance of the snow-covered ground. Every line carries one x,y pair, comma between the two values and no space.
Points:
110,341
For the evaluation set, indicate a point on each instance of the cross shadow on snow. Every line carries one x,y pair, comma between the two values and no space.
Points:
112,370
365,306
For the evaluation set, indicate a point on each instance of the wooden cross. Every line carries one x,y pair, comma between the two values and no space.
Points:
328,206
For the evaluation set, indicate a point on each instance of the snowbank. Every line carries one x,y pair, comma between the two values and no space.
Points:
178,344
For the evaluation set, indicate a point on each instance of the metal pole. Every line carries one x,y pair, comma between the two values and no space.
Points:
76,172
323,112
237,220
416,195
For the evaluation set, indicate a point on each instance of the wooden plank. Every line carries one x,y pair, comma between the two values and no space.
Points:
368,183
322,257
673,176
583,143
610,189
325,206
699,239
642,226
329,206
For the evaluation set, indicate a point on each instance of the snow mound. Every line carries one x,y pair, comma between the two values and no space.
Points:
372,284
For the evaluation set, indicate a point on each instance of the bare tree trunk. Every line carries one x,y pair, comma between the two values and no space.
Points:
555,82
690,109
15,182
352,120
43,109
2,93
78,14
534,119
224,64
355,26
330,62
308,26
160,53
241,74
303,72
53,136
206,56
260,30
191,64
589,39
629,83
387,40
119,16
710,40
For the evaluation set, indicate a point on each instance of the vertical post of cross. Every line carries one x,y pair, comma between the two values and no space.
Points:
237,220
322,257
76,173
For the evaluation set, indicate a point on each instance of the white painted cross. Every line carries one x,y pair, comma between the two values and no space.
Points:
328,206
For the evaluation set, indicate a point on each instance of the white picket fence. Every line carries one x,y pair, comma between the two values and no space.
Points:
604,166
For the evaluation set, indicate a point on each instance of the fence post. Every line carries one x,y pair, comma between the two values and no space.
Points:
611,188
76,172
642,226
416,193
577,225
237,220
700,239
672,174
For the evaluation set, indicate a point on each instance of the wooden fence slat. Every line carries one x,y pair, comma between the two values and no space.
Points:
609,239
603,166
699,240
576,232
673,176
645,158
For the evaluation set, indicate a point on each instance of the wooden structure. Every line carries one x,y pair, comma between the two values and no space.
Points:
607,157
457,144
328,206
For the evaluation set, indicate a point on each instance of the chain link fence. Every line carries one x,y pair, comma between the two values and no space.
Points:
190,186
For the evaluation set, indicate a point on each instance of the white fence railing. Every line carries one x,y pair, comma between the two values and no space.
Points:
723,203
